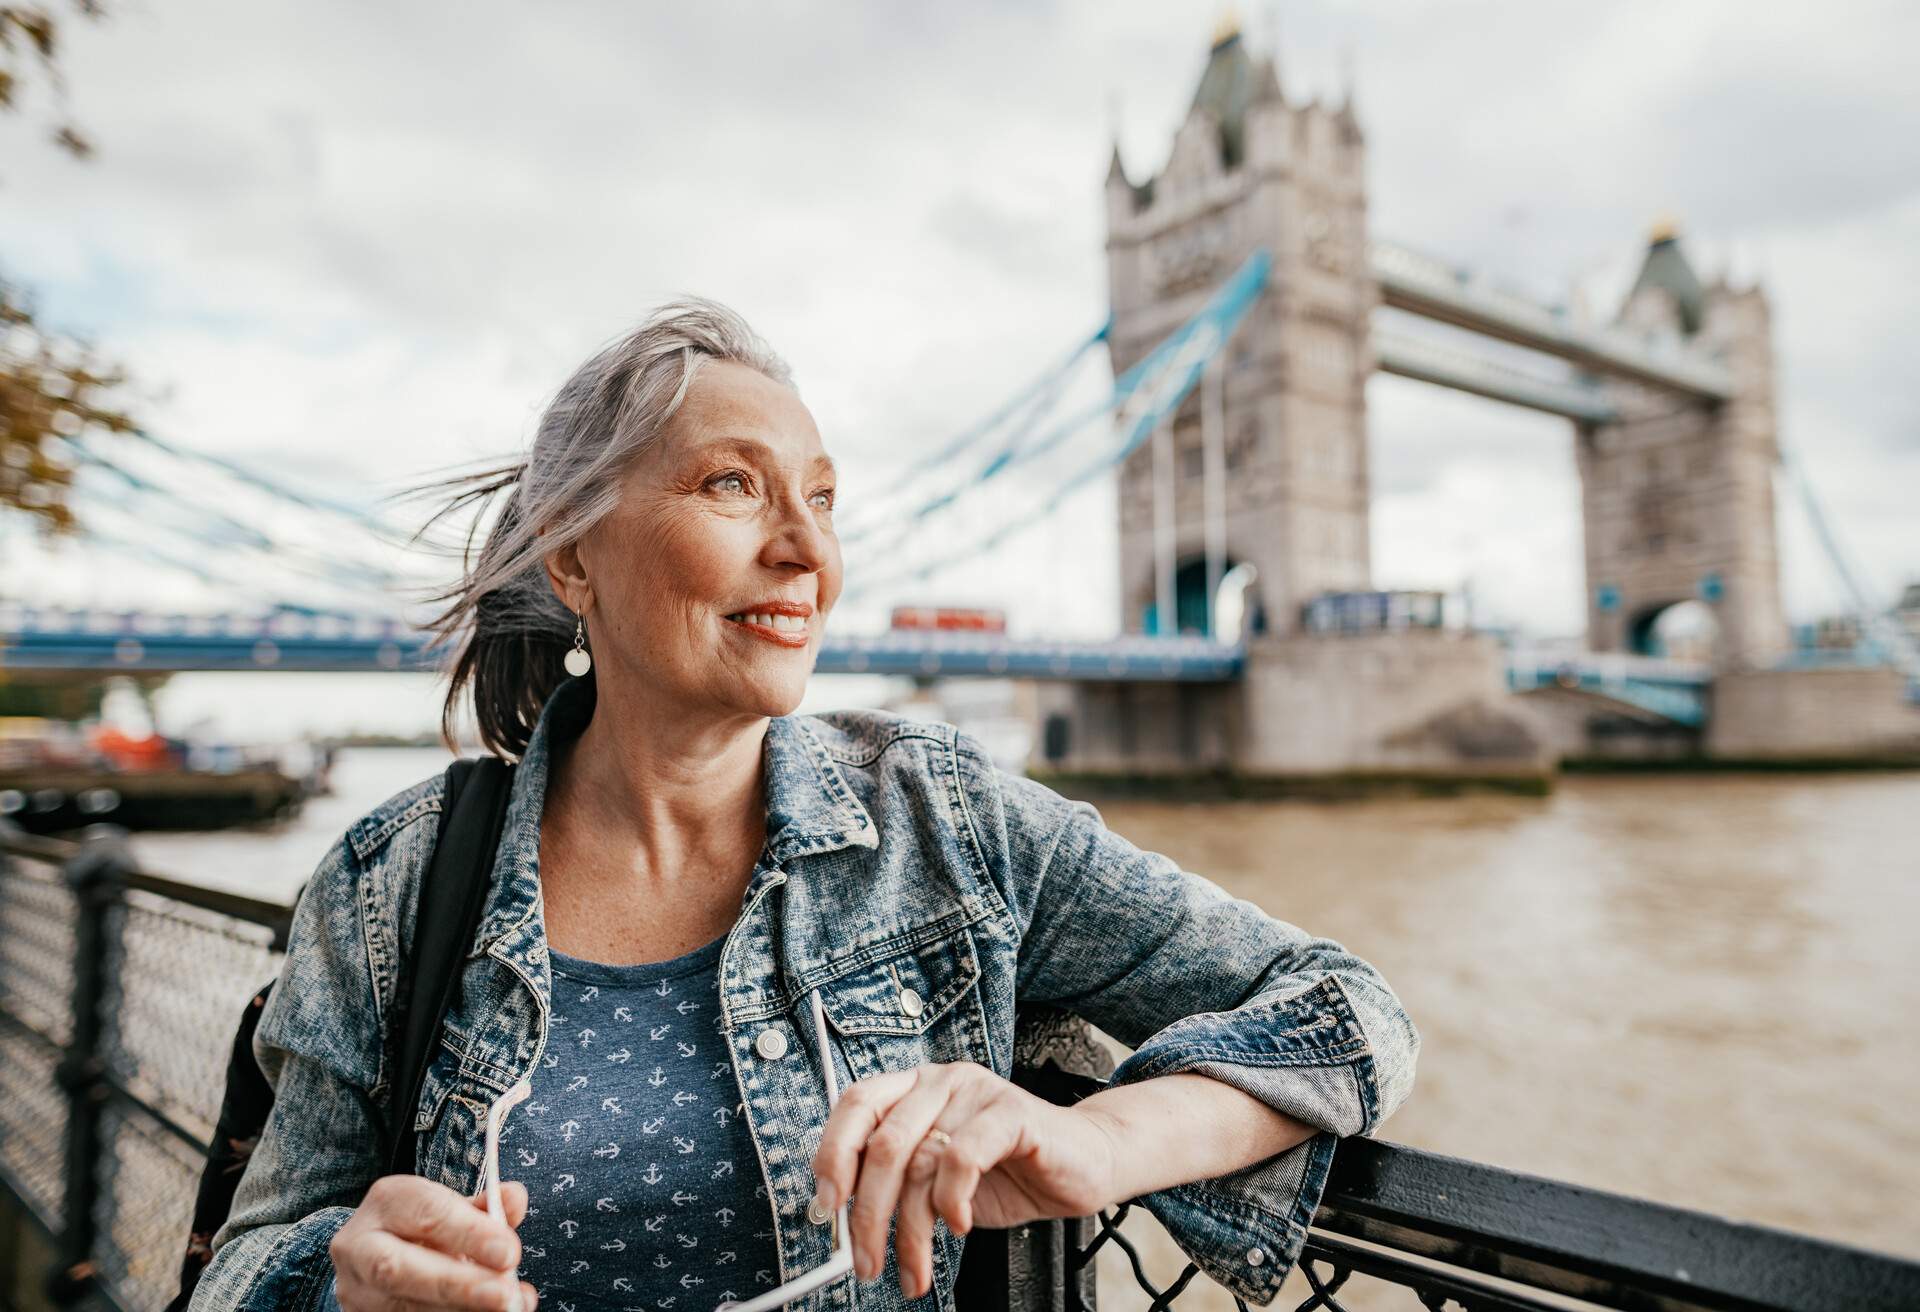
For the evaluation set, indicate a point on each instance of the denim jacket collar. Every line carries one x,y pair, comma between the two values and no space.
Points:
809,806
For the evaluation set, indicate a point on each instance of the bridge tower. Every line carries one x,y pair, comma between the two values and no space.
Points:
1247,170
1678,496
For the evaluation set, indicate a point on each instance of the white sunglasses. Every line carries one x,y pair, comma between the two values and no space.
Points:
839,1262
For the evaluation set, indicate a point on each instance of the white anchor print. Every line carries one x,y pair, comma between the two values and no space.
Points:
663,1114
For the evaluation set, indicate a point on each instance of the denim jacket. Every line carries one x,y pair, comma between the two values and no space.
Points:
898,856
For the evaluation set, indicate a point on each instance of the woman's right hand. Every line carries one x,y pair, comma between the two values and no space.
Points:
414,1243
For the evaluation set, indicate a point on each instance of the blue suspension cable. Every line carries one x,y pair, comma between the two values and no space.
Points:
1143,396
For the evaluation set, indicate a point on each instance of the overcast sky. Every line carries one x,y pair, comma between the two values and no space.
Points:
353,242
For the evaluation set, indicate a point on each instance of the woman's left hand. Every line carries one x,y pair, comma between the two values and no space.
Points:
1012,1158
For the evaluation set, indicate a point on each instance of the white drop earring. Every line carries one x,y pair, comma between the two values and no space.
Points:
579,660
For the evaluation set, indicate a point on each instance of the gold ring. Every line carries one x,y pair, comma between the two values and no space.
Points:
940,1135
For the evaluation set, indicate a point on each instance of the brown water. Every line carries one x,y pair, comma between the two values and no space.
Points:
1702,991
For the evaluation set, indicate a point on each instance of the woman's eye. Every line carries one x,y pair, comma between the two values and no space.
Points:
827,495
724,479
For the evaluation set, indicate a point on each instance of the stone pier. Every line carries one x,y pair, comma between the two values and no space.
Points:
1313,714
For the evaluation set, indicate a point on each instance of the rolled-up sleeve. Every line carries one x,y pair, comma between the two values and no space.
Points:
1195,980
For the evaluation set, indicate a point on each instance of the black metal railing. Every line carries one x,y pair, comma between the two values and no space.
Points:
119,990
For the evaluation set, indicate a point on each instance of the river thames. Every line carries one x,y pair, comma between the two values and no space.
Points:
1700,990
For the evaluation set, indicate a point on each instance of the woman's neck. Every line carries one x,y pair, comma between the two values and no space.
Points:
658,801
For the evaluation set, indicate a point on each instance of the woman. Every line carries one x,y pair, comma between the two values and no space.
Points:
688,866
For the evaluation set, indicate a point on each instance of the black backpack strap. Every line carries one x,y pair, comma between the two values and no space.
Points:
453,892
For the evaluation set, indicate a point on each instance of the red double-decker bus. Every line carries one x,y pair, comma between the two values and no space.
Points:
973,619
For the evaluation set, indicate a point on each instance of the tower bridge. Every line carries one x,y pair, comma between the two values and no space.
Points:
1249,308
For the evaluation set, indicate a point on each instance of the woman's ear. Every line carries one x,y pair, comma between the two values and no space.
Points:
567,576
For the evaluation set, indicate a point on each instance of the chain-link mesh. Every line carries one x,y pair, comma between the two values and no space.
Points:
177,979
37,913
147,1179
33,1120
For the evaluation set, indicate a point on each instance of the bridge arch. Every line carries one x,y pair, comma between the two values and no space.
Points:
1238,605
1684,629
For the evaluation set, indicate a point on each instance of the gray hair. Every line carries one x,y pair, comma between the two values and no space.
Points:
510,631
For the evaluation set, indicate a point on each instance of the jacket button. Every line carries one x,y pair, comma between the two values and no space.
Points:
1255,1257
771,1044
910,1002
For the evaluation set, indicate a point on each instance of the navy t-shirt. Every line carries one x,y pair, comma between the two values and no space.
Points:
643,1186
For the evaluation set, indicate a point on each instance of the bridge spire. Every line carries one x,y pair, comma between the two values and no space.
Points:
1226,27
1666,268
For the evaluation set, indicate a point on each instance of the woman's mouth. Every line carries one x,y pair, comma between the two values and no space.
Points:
781,630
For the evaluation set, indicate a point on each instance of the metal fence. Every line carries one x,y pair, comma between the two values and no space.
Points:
119,991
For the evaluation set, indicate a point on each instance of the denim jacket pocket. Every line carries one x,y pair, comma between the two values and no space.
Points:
910,1005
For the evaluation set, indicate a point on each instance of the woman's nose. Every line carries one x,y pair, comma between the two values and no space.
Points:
800,540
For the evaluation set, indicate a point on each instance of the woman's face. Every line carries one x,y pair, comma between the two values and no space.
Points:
712,579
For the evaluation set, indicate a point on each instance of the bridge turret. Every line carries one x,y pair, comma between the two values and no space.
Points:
1123,198
1247,171
1679,500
